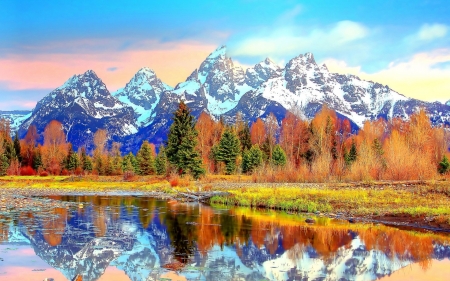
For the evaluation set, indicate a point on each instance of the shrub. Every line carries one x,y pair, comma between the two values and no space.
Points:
79,171
129,176
27,171
65,172
174,182
44,174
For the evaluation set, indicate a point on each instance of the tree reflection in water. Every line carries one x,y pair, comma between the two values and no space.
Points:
145,237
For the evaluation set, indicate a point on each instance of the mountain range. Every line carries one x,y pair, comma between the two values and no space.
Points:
141,252
143,109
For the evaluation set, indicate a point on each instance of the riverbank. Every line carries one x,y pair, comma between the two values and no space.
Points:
424,204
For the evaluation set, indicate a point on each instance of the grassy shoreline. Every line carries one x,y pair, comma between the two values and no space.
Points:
425,204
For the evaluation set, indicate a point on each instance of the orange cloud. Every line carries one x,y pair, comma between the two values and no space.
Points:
172,62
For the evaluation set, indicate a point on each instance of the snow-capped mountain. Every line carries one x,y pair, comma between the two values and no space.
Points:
143,94
83,105
141,252
15,118
218,81
306,86
143,109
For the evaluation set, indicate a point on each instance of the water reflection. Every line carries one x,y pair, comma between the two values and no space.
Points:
147,239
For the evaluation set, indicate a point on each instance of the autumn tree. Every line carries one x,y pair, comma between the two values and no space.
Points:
271,128
182,142
206,128
100,158
116,159
258,132
55,147
28,145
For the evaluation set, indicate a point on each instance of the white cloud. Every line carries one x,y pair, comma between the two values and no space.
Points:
420,77
432,31
290,40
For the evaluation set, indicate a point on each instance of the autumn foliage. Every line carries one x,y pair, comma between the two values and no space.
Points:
292,149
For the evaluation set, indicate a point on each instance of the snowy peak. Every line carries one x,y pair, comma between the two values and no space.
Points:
143,93
83,105
262,72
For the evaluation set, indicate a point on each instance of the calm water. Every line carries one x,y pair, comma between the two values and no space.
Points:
138,238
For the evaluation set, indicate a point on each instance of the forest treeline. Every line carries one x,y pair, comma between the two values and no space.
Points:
321,149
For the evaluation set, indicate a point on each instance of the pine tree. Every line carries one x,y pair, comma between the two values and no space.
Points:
37,159
245,138
146,159
278,156
132,160
181,143
353,154
85,161
350,157
444,165
10,151
127,165
227,150
4,165
72,161
17,148
161,161
251,159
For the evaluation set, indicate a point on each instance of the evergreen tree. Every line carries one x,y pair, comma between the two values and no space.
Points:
10,152
161,161
227,150
132,160
146,159
353,154
181,143
127,165
17,148
85,161
350,157
251,159
4,165
444,165
73,161
245,138
278,156
37,159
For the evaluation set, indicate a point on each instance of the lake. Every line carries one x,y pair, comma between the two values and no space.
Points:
141,238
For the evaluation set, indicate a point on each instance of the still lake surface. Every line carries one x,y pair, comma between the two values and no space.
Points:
140,238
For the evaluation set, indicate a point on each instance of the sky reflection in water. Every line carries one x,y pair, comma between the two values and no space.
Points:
137,238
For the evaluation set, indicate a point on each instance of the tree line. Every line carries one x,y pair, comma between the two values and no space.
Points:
322,149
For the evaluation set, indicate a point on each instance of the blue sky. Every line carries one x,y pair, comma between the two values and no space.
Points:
405,44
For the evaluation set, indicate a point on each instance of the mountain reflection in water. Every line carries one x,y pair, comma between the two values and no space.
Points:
149,239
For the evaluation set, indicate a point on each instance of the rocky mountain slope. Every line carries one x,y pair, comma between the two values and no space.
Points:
15,118
83,105
143,108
